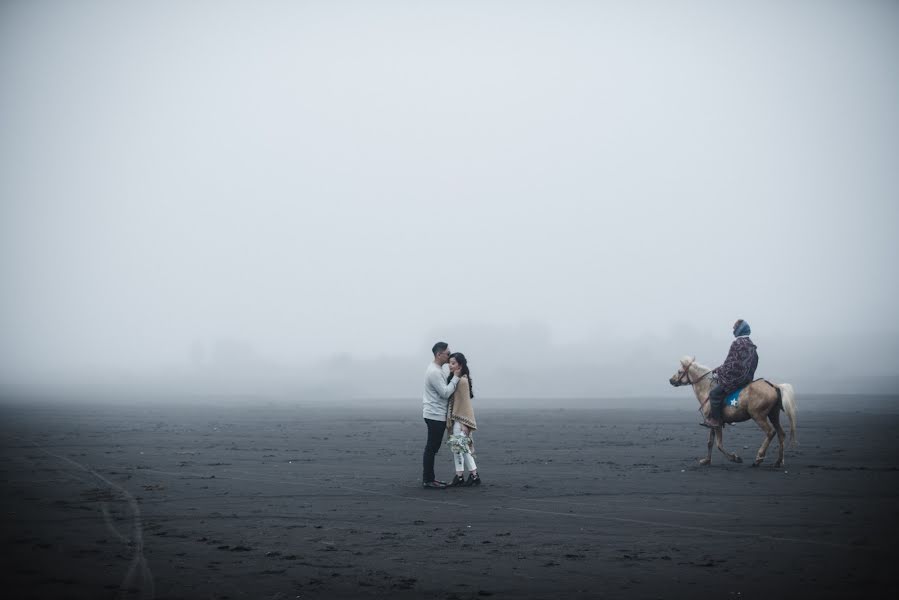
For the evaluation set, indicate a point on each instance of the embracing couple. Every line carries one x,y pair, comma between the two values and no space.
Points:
447,410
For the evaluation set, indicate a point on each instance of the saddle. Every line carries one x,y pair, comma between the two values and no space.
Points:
733,398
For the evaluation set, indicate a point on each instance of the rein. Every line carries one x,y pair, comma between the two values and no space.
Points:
686,375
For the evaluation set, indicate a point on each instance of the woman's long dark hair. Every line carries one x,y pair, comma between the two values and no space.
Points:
460,358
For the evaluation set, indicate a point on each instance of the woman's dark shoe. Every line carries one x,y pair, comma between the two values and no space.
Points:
473,480
457,481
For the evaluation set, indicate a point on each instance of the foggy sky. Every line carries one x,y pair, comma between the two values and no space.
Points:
304,190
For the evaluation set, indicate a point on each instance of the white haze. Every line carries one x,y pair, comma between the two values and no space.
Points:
270,197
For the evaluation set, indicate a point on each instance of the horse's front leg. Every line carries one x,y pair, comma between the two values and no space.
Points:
708,457
719,434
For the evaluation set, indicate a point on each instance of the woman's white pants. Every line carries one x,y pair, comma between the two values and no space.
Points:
462,460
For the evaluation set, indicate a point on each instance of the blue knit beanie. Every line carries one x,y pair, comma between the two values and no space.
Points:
742,328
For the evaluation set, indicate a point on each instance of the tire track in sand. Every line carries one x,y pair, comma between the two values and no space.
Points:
138,571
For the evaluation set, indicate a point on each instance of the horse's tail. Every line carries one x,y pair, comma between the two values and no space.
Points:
788,400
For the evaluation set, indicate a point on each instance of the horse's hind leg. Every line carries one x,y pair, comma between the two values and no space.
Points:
774,417
719,435
708,457
769,435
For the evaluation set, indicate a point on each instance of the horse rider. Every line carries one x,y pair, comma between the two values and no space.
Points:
737,371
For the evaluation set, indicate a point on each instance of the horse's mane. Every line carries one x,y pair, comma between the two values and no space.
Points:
686,360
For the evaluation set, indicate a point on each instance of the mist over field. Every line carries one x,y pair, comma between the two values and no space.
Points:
281,199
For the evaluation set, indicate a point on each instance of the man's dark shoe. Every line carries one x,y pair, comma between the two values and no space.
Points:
457,481
433,485
473,480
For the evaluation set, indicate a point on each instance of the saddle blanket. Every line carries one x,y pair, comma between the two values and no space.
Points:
733,399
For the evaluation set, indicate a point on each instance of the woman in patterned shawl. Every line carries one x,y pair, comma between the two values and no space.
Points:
460,423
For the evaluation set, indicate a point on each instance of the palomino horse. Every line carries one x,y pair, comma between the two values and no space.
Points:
760,401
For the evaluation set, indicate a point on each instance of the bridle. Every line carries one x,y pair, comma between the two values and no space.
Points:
684,379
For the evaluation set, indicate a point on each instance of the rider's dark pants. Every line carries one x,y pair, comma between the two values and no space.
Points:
716,400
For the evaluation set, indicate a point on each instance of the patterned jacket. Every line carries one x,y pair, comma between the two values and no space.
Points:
739,366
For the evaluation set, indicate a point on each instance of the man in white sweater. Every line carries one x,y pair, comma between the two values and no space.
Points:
434,403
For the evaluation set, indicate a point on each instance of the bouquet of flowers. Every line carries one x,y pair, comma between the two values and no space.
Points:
459,443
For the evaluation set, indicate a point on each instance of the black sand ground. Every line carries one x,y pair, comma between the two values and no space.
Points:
264,501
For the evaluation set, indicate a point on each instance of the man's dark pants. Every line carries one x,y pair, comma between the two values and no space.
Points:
435,437
716,399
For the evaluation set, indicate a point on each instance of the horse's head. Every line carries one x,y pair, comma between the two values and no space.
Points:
682,377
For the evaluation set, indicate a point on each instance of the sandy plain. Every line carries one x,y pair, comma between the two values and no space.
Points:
273,500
